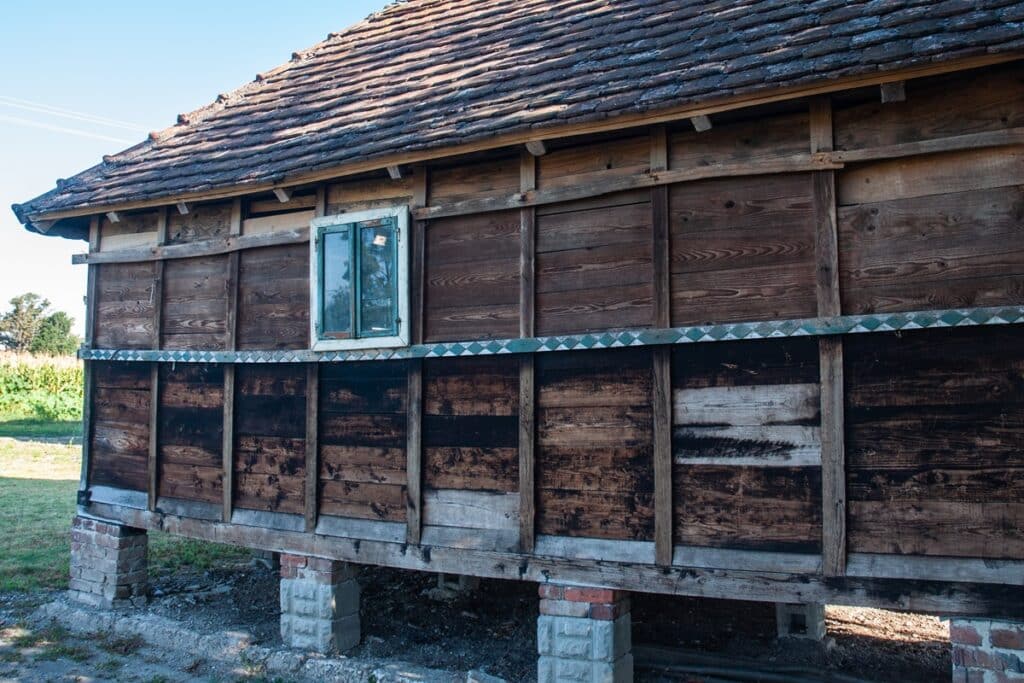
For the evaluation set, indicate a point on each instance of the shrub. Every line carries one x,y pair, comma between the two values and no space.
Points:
47,388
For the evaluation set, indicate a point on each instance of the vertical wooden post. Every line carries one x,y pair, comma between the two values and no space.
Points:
230,344
661,357
414,389
414,451
87,343
527,407
153,463
833,457
312,508
312,445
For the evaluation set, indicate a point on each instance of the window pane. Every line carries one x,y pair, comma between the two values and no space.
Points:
337,285
378,275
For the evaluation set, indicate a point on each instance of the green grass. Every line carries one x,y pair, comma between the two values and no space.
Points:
23,427
38,482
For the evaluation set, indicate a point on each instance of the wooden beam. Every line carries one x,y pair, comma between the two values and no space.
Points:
152,465
394,172
893,92
536,148
991,601
616,123
87,382
228,444
993,138
417,254
833,460
231,281
701,123
320,201
527,247
312,445
284,195
527,454
663,506
413,452
211,247
88,366
183,208
113,217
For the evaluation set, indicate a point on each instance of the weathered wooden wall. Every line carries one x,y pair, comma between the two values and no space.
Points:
847,457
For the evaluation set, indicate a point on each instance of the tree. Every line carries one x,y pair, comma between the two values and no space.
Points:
19,326
54,336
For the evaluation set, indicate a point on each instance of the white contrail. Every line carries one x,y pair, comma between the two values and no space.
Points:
62,129
40,108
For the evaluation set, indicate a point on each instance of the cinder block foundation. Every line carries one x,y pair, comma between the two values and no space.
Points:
987,650
108,564
319,604
800,621
583,636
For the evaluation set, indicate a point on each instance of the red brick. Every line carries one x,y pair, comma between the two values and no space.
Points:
293,560
321,565
963,633
600,595
609,611
550,591
1011,639
977,657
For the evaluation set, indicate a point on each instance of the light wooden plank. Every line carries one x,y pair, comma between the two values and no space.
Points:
414,451
500,540
266,225
662,397
776,446
471,509
754,560
369,529
527,453
152,464
228,443
753,405
600,549
131,240
312,444
120,497
995,138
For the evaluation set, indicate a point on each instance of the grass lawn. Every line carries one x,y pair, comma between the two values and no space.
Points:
38,481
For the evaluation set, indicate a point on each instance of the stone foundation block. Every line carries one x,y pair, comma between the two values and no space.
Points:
108,564
800,621
583,636
319,604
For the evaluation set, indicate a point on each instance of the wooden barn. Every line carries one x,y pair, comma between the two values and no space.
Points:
697,298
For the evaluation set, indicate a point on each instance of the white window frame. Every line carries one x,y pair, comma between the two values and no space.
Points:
316,229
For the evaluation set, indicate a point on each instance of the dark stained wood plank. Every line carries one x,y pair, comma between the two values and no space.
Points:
527,248
587,163
383,502
746,363
662,444
758,138
152,464
595,514
270,492
527,454
462,181
473,468
191,482
312,444
464,323
228,443
756,508
203,221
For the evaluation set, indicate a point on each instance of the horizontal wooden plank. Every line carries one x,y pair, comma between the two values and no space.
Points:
471,322
780,404
595,267
471,468
269,455
598,426
205,247
588,163
120,405
594,310
362,500
745,363
386,431
482,431
761,137
469,238
955,529
271,492
471,509
766,292
295,220
595,514
594,226
190,482
585,468
747,446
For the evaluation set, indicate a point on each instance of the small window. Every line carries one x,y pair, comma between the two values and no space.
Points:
360,293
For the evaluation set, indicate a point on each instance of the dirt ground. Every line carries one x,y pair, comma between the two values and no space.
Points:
492,628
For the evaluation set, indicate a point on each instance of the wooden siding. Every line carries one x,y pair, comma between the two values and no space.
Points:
203,221
742,249
189,433
935,448
594,264
270,438
595,470
273,298
195,304
472,277
362,440
119,439
125,306
747,445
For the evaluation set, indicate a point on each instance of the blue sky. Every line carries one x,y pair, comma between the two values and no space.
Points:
135,65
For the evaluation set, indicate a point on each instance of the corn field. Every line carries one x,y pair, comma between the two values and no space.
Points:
40,387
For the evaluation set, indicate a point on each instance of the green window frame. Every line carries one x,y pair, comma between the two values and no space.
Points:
359,280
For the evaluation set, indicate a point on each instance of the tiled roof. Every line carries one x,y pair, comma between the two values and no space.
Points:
428,74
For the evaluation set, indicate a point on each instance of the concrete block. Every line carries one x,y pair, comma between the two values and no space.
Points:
558,670
800,620
319,605
589,639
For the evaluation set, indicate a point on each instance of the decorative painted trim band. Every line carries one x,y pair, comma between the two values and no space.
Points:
774,329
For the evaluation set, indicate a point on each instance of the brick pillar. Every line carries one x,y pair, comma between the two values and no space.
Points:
108,564
987,650
319,604
583,636
800,620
